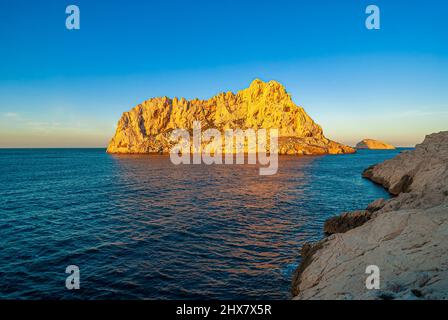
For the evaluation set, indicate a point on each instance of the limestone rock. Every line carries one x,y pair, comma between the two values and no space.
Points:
376,205
406,236
307,252
147,127
373,144
422,170
404,244
346,221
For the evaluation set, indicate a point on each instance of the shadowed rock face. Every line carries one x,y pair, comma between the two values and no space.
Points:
147,127
373,144
346,221
421,171
307,252
406,236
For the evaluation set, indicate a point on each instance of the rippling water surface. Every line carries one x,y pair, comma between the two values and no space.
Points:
140,227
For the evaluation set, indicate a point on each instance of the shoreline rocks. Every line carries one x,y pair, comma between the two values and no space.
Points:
346,221
374,145
147,128
405,236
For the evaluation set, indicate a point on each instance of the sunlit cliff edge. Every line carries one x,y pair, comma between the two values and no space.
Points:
147,127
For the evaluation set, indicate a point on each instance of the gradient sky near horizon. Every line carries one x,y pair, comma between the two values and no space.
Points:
61,88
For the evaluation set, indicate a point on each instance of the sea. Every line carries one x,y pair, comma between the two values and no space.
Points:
140,227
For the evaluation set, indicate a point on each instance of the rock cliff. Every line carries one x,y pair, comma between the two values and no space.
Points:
406,236
373,144
147,127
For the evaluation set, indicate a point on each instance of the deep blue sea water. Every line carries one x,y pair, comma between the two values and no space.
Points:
140,227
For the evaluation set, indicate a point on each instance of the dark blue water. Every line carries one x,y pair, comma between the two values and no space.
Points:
139,227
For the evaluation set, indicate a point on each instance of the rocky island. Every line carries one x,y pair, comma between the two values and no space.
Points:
147,127
373,145
405,236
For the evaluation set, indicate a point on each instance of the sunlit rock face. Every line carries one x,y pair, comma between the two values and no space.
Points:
147,127
373,144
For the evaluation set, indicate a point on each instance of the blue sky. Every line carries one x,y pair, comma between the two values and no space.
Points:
62,88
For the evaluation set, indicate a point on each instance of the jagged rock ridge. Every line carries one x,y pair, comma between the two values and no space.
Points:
147,127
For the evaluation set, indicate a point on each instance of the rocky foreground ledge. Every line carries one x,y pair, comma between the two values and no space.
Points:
406,236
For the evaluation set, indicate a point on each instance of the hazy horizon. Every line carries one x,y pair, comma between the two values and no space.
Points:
68,88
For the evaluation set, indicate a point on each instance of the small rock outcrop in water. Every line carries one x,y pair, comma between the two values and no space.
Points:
147,127
406,236
373,144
